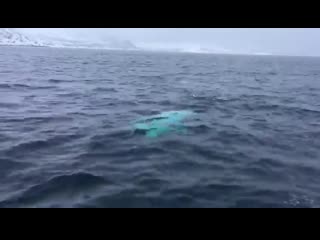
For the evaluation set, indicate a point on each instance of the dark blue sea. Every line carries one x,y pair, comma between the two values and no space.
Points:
66,135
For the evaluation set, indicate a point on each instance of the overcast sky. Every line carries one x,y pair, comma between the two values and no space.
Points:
274,41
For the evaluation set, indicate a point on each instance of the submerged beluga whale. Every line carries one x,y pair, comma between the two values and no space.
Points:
165,122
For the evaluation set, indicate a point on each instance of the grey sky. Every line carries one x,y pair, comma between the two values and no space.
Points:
233,40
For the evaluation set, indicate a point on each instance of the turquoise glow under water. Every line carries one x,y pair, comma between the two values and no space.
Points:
166,122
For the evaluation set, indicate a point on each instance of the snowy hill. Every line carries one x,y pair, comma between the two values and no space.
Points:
19,37
12,37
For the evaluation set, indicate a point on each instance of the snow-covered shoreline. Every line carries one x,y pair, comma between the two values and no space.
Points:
12,37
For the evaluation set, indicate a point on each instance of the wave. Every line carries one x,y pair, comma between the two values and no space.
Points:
64,186
39,145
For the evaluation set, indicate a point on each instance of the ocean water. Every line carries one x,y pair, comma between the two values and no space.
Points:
66,135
